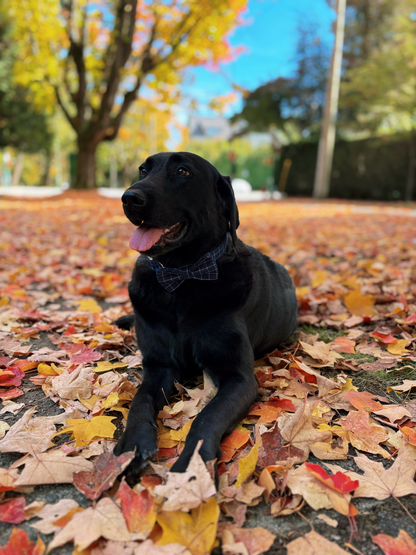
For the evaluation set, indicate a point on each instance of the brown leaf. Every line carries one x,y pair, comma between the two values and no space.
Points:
377,482
71,385
106,469
104,519
313,543
52,512
53,467
364,435
184,491
297,429
255,540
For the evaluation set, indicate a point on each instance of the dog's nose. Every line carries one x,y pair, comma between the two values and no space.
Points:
134,198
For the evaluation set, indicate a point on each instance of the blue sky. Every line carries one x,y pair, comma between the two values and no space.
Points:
269,38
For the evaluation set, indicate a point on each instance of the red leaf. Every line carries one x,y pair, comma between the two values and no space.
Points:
385,338
402,545
106,469
137,509
11,376
411,319
4,361
13,510
339,481
10,393
19,544
70,330
273,450
86,355
284,404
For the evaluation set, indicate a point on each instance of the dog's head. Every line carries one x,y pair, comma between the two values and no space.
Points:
180,200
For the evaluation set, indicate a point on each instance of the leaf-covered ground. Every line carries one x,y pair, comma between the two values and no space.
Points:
326,459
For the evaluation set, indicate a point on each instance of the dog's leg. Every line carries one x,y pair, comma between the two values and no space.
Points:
228,358
140,432
125,322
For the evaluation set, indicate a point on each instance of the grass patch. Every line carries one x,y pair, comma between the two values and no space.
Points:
324,334
378,382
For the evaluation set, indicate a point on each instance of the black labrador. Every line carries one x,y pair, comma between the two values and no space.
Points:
202,300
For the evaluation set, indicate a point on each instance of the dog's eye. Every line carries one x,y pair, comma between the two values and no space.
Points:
183,171
142,171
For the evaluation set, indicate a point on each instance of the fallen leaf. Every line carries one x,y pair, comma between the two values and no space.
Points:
402,545
360,305
313,543
71,385
232,443
362,400
407,385
298,431
364,435
187,490
247,465
84,431
138,509
343,345
50,513
149,548
105,519
393,412
198,528
330,521
19,544
398,348
12,511
53,467
255,540
103,475
321,351
381,483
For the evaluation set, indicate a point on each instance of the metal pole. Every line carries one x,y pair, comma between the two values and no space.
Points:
327,139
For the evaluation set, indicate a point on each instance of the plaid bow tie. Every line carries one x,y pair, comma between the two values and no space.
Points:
205,269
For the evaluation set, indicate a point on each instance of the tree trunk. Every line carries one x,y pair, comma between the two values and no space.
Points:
17,171
46,168
85,174
411,168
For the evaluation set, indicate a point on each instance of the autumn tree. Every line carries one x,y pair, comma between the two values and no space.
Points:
98,57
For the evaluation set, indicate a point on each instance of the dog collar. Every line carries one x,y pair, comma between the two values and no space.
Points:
203,269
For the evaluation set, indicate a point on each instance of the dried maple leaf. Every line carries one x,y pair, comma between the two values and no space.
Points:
84,431
30,435
12,510
322,352
186,490
71,385
102,520
198,528
313,543
232,443
360,305
138,510
362,400
103,475
53,467
11,376
19,544
381,483
247,465
50,513
318,489
364,435
255,540
343,345
149,548
402,545
406,386
297,430
393,412
273,448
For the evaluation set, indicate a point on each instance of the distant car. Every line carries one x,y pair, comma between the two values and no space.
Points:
241,186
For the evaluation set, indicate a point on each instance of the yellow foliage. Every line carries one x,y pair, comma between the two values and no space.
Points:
84,431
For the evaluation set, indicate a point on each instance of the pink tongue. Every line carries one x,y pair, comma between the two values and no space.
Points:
144,237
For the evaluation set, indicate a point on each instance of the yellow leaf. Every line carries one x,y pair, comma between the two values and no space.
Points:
348,386
89,305
106,365
4,301
360,305
47,370
84,431
247,465
111,400
398,348
89,403
196,530
318,278
180,435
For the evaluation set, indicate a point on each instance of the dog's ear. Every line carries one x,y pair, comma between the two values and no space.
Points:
226,192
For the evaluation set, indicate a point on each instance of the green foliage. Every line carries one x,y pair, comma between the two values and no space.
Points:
373,169
252,163
22,125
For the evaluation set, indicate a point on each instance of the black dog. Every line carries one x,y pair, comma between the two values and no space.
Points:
202,300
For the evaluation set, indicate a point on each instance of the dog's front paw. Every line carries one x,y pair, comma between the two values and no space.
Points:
143,442
125,322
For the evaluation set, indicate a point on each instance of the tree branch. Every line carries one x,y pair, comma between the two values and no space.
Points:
71,120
